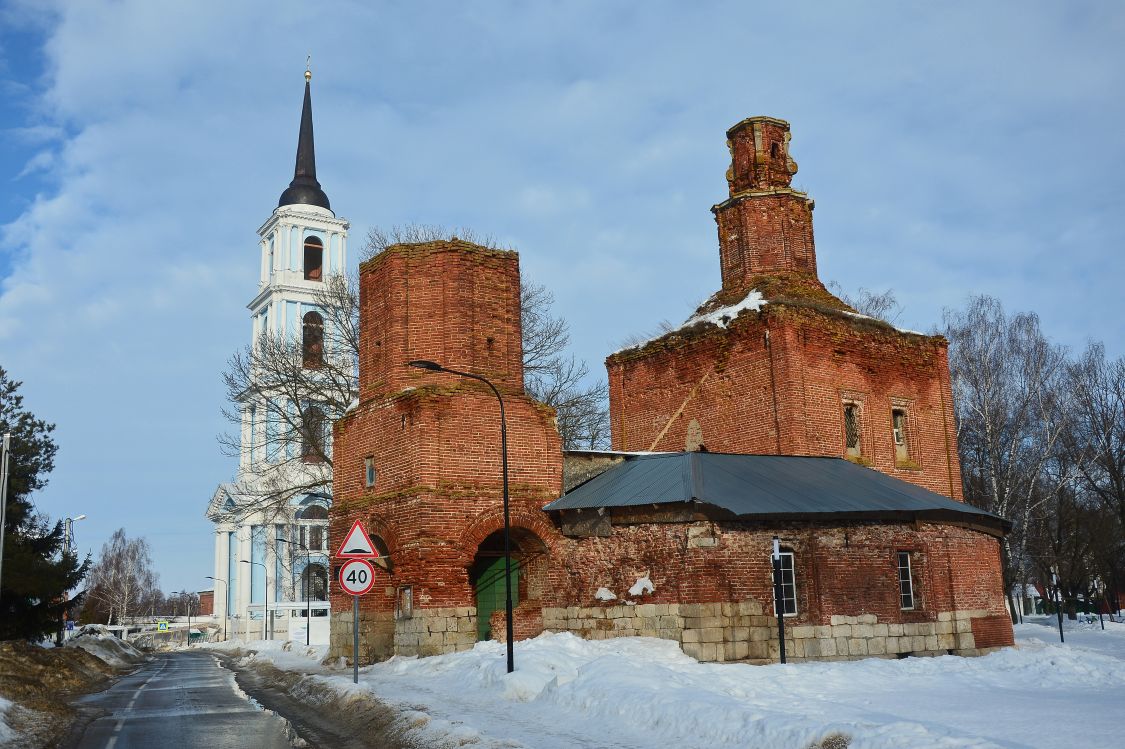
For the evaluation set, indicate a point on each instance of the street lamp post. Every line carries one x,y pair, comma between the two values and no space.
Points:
225,612
68,531
266,605
308,601
187,595
1058,600
779,597
5,449
68,548
435,367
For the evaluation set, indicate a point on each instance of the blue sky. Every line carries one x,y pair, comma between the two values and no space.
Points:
951,148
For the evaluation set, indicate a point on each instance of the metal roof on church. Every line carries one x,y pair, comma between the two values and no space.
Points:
750,485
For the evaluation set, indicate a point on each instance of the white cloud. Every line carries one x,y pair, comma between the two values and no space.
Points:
950,149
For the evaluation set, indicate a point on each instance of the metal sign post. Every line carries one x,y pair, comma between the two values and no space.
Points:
357,577
355,639
778,599
1058,601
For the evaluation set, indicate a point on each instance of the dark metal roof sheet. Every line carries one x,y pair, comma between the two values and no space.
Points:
760,485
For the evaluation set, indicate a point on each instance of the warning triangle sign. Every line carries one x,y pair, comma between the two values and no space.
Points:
357,543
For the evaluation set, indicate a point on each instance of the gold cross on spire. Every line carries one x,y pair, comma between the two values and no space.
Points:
308,68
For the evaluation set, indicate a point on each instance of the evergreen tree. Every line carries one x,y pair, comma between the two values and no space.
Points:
37,568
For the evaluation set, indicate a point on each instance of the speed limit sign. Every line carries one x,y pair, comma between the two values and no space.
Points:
357,576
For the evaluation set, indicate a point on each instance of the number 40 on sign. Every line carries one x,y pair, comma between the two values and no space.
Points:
357,577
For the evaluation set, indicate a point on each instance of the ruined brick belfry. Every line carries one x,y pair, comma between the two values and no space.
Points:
774,410
418,460
802,373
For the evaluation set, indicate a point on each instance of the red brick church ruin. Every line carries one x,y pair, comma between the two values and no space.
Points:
763,415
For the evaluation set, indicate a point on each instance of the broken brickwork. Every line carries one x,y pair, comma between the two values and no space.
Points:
769,366
775,378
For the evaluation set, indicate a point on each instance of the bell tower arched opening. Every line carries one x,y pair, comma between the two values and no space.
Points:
314,259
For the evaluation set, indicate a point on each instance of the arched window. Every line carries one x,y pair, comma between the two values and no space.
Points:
312,441
314,582
313,512
312,340
314,259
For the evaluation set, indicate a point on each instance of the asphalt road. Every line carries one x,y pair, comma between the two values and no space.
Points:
179,699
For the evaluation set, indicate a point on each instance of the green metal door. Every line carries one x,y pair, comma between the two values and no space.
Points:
491,594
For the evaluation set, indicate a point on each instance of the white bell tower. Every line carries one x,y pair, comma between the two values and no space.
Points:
303,244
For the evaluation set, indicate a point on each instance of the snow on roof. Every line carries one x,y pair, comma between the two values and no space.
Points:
722,317
862,316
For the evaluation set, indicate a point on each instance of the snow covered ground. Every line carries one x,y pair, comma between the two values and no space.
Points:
639,692
6,733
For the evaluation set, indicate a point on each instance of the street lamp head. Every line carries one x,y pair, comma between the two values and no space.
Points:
433,366
80,517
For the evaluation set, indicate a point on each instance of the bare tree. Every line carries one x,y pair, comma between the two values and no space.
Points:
283,396
1011,415
882,305
1098,388
560,380
122,579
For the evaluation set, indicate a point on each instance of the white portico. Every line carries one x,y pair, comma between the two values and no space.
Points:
271,521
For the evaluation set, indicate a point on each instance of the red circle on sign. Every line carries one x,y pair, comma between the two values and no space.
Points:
357,576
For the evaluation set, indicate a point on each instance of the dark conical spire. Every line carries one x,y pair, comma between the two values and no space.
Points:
304,189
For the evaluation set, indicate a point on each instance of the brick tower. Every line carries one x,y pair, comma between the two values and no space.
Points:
418,459
773,363
765,226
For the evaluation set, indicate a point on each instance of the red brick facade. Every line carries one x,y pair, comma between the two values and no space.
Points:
771,381
434,437
776,380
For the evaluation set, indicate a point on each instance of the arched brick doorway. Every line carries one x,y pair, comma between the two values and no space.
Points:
486,574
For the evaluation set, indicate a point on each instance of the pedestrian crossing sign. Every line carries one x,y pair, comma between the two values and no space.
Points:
162,626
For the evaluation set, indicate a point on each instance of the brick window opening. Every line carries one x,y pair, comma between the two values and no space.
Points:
312,340
314,259
369,471
788,585
905,582
898,425
851,430
404,602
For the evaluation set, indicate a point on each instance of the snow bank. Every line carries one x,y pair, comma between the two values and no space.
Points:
641,692
6,732
285,654
96,640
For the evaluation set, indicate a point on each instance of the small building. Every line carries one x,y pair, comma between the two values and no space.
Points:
206,603
775,411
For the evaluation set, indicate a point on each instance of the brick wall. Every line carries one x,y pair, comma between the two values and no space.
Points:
775,382
765,226
771,382
713,588
435,437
